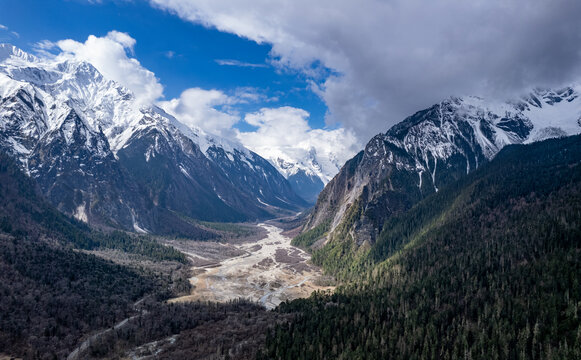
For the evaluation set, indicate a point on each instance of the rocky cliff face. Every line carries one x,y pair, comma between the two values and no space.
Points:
79,174
306,185
433,148
103,157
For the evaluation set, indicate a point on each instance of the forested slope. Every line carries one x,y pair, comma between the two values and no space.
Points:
488,267
51,295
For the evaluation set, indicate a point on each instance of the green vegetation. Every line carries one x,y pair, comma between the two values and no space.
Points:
308,238
487,268
50,297
79,236
235,230
50,294
24,213
342,256
233,330
140,245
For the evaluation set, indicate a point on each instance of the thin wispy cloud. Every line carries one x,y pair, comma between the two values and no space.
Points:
45,45
45,48
249,94
232,62
11,32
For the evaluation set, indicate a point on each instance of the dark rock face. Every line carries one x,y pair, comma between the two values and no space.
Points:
307,186
78,173
27,124
428,150
182,179
159,169
105,159
256,180
174,180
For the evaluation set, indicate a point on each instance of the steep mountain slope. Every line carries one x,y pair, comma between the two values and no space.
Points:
102,156
488,267
430,149
25,213
51,295
54,297
306,170
308,186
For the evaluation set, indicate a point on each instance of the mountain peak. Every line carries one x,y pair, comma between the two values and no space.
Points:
9,51
434,147
74,130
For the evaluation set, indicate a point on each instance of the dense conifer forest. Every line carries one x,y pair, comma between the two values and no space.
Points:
487,268
54,295
51,292
232,330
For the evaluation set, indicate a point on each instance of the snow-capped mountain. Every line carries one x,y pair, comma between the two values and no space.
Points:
305,169
323,166
100,155
301,178
434,147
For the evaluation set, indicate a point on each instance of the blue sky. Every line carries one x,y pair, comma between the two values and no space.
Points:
181,54
328,74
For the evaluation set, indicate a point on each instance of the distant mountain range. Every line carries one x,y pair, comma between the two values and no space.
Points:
104,158
307,171
428,150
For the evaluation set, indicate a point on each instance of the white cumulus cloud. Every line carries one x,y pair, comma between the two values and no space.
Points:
285,133
213,110
109,54
206,109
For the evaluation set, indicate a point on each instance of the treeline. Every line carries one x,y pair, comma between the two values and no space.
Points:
488,268
24,213
308,238
141,245
51,294
191,331
516,171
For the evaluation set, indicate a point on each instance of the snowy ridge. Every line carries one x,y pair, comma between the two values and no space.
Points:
291,161
305,169
436,146
87,140
8,51
471,126
64,85
204,139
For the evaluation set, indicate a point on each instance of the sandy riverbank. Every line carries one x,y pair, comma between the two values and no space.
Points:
269,271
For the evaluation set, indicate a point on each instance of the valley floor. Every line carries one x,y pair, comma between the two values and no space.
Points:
267,270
